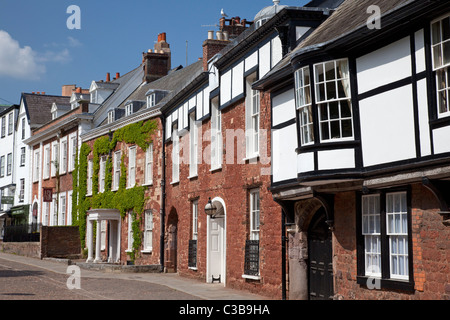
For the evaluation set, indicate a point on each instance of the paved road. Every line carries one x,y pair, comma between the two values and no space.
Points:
24,278
20,281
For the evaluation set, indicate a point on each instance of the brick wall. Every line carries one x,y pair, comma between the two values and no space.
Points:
232,183
431,250
60,242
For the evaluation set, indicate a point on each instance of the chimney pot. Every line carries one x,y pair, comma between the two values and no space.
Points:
210,34
162,37
219,35
117,75
43,93
108,77
78,90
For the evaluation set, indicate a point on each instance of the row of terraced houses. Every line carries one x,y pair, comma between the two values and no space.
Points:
304,156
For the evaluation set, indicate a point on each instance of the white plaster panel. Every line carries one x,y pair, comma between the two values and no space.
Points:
441,140
251,61
420,51
336,159
384,66
284,154
387,127
264,60
283,107
199,107
305,162
277,51
238,80
225,87
424,123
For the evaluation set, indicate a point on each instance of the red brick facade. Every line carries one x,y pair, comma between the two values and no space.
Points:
232,183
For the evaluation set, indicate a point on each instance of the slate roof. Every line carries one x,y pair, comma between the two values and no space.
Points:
39,107
174,82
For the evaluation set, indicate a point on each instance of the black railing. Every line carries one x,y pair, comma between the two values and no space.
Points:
192,254
22,233
251,265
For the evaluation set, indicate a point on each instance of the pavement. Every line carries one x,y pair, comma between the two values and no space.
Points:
199,289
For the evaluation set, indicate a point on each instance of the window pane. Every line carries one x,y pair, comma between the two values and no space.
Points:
330,71
319,73
321,92
446,29
335,130
437,54
347,129
331,91
323,112
446,52
346,111
436,32
334,110
325,131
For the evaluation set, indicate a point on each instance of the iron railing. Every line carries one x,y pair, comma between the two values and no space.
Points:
192,254
22,233
251,265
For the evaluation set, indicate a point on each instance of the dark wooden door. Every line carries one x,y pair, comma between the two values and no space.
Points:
320,259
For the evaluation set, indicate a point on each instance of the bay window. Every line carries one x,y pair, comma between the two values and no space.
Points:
304,107
441,62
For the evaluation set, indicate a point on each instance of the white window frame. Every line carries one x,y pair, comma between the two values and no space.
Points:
128,110
148,231
304,105
45,213
102,175
216,136
73,148
47,161
371,230
193,146
54,212
55,158
195,220
36,157
69,207
10,123
116,169
441,67
151,100
111,116
22,190
397,210
90,174
132,151
62,209
175,155
255,214
23,128
63,156
149,165
2,166
325,105
130,233
3,126
252,118
9,164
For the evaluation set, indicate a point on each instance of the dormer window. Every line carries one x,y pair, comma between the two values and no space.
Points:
151,100
111,116
128,109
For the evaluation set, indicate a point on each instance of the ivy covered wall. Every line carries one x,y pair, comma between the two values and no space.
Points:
126,200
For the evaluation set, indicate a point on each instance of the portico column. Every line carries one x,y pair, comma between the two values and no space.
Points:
90,239
98,242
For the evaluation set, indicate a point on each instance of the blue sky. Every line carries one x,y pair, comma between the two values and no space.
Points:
38,53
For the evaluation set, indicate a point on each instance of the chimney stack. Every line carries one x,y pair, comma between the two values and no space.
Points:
157,62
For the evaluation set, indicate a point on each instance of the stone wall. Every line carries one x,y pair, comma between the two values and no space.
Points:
60,242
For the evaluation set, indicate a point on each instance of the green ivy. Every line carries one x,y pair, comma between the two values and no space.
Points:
125,200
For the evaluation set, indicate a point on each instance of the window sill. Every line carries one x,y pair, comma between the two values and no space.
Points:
246,276
212,170
252,159
193,177
128,251
149,184
147,250
391,284
175,182
193,268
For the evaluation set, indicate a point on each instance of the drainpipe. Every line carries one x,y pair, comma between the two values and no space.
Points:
163,195
283,248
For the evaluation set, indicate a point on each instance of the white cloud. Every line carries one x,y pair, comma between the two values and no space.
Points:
74,42
62,56
17,62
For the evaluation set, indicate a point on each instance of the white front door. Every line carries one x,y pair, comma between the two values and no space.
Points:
216,250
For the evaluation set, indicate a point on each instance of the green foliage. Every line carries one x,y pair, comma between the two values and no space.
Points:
125,200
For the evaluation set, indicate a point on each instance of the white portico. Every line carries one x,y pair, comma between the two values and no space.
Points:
113,217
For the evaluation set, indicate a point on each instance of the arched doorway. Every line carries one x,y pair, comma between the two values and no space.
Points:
320,264
170,243
216,244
